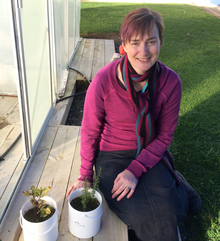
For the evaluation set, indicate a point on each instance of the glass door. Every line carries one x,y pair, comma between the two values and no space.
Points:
36,56
29,24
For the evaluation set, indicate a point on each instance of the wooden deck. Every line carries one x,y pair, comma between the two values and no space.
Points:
57,160
12,165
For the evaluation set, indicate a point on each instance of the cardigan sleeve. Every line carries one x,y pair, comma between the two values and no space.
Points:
92,123
165,128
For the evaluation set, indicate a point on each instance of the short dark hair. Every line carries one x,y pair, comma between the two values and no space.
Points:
141,21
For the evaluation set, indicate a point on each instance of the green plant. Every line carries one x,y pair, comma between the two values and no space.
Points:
37,201
88,193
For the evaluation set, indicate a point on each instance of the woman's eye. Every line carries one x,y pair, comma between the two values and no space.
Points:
152,42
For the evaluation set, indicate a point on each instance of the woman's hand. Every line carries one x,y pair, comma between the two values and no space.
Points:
124,184
77,184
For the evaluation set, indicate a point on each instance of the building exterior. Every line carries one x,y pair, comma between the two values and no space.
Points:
37,43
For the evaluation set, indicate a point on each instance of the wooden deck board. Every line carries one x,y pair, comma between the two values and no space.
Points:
7,104
5,132
12,165
82,61
110,223
87,59
10,170
60,158
61,111
78,56
109,50
11,230
98,56
64,233
14,117
8,136
57,160
66,149
46,168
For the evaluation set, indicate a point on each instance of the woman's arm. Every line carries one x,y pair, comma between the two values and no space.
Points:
91,129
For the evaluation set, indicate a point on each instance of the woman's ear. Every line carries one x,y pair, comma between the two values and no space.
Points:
124,46
121,50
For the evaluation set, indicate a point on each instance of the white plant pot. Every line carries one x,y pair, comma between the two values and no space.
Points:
84,224
43,231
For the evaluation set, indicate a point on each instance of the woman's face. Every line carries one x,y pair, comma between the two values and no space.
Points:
143,53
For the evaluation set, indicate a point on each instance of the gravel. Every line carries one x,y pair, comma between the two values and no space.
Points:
76,111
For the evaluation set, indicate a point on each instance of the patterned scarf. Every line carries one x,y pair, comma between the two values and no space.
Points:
145,129
144,124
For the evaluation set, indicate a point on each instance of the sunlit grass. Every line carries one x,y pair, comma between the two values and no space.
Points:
192,49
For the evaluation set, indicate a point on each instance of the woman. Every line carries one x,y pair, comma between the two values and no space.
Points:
130,115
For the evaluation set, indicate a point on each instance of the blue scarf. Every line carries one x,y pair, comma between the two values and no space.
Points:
144,125
145,129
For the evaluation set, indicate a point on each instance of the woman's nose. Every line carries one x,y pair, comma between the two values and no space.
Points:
145,49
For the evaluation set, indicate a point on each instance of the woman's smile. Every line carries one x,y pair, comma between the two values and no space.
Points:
144,59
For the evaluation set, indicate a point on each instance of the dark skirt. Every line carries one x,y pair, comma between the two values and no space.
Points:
157,205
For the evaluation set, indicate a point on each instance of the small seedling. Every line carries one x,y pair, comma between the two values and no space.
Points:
88,193
37,201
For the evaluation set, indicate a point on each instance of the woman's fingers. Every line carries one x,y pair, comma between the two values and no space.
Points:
124,184
117,185
77,184
117,190
131,192
125,192
70,190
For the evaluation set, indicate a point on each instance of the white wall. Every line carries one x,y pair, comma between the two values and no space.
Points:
7,72
66,34
66,15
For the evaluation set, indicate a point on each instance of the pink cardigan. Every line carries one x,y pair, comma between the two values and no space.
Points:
109,120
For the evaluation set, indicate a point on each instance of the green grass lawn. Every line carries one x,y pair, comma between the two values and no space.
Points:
192,49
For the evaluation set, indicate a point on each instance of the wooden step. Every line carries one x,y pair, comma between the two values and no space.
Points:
90,57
